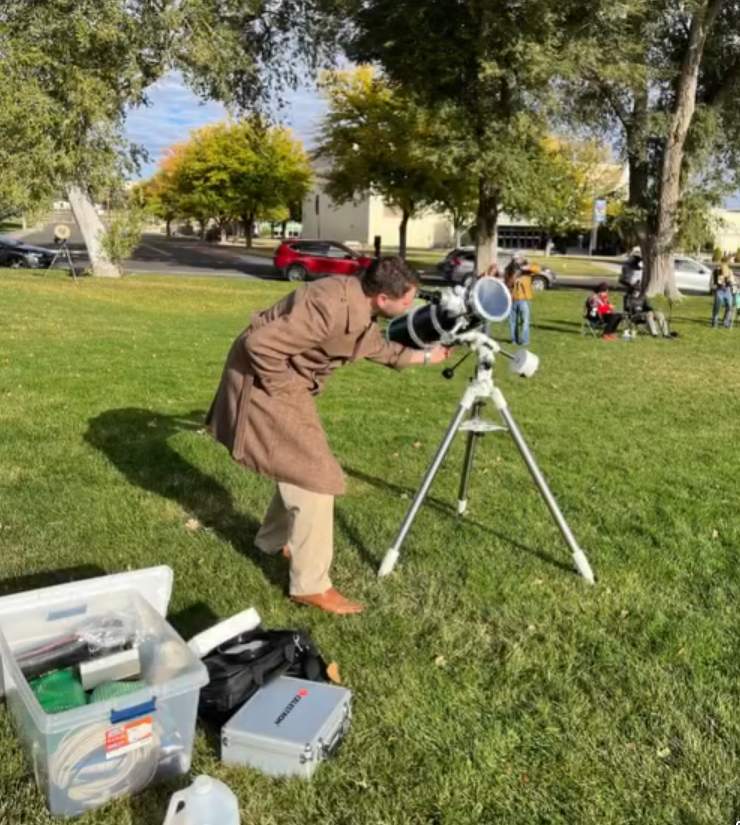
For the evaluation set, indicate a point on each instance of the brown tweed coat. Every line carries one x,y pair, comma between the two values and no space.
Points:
264,412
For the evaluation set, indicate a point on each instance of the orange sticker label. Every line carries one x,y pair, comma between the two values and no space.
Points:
128,737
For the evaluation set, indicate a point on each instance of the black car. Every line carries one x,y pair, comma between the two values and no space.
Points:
17,254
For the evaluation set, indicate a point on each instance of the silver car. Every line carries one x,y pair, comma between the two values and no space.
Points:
691,275
460,262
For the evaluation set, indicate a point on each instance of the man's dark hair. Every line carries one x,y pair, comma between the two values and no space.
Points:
392,276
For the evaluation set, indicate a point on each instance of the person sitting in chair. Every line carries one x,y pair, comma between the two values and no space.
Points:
639,311
600,311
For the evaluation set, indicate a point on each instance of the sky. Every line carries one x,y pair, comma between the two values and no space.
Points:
175,111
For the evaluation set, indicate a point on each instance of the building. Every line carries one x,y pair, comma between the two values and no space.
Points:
727,233
361,220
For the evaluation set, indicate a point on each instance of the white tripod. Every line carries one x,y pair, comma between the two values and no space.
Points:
480,390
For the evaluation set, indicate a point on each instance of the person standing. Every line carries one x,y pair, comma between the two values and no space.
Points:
518,279
724,285
264,411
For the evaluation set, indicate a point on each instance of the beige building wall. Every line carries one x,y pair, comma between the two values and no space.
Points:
424,231
727,236
361,221
336,222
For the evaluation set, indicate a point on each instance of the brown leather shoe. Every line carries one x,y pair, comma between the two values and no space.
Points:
331,601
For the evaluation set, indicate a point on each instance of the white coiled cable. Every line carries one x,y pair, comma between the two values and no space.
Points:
80,770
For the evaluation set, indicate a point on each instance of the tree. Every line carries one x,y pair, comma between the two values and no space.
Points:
81,63
669,89
235,170
563,181
489,63
377,141
160,195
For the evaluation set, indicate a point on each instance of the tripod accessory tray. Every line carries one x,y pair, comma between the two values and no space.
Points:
288,727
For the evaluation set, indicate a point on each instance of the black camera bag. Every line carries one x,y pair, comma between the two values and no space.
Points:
239,667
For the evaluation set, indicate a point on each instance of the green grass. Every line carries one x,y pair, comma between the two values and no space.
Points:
491,683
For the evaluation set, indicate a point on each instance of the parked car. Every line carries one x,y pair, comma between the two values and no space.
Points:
457,264
691,275
17,254
460,262
300,259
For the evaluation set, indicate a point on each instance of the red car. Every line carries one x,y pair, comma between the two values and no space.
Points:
299,259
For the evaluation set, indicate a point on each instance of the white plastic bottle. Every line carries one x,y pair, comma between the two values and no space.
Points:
206,802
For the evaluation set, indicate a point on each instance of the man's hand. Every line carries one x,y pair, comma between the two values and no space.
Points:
439,354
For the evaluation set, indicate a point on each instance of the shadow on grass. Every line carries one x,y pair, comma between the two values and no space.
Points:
49,578
136,441
447,510
568,327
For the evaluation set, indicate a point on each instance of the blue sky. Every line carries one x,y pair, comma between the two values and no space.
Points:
175,111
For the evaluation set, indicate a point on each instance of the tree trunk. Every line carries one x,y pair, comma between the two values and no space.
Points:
168,227
201,229
402,233
92,231
283,229
661,279
248,229
487,226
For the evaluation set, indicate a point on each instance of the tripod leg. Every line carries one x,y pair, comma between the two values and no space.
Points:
470,445
392,555
71,265
579,557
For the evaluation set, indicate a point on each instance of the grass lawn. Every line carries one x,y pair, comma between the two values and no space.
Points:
491,683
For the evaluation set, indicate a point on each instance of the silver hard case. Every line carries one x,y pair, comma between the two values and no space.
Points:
288,727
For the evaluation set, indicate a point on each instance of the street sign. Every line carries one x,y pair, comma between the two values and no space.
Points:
600,210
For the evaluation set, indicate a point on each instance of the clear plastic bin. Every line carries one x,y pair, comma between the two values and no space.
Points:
84,757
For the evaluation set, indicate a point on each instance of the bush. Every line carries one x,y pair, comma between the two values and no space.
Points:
716,255
124,233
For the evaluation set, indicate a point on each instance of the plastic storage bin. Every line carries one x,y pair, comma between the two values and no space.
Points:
84,757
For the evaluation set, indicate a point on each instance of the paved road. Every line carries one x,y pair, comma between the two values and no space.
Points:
190,256
171,256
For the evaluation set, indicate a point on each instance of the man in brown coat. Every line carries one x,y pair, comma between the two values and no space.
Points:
264,411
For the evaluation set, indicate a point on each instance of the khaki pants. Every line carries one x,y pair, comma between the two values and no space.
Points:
304,521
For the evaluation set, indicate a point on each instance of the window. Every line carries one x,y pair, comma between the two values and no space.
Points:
311,248
336,251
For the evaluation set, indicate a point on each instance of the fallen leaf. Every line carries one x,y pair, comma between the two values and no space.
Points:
416,445
332,671
440,661
624,614
663,753
715,533
193,524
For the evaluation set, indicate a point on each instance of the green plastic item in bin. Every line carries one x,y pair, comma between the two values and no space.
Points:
112,690
59,690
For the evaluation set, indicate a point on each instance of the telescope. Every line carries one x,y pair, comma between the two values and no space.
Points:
451,311
452,316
